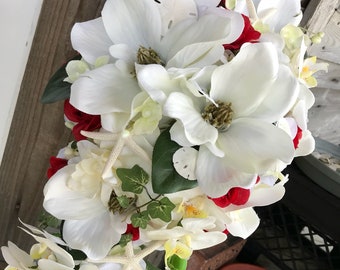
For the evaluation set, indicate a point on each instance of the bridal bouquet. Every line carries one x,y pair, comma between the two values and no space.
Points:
184,114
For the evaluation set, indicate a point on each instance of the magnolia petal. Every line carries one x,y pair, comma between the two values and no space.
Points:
306,95
286,12
246,86
90,40
94,236
173,12
159,86
115,122
177,134
135,23
197,55
215,177
244,222
253,146
45,264
64,203
280,99
182,108
104,90
187,32
124,52
184,160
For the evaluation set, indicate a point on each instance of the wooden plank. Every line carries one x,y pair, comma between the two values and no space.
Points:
320,13
37,130
329,48
330,79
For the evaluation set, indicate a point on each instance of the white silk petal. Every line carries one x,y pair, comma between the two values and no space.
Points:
242,82
182,107
90,40
45,264
244,222
197,55
215,177
155,80
104,90
177,134
64,203
195,31
115,122
254,146
14,256
306,144
135,23
94,236
280,98
206,240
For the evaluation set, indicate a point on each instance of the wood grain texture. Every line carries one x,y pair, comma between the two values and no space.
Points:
37,131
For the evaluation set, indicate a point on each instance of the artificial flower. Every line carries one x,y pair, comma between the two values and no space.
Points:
229,154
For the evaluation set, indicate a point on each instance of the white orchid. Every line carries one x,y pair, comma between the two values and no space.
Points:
44,255
243,101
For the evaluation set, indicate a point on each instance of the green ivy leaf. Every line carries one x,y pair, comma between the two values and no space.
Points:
56,89
133,179
161,209
149,266
177,263
140,219
165,179
124,201
124,239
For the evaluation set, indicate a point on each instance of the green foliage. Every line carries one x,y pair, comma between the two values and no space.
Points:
134,179
124,239
140,219
124,201
177,263
161,209
165,179
149,266
56,89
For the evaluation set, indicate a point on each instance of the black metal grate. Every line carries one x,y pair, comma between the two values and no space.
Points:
284,241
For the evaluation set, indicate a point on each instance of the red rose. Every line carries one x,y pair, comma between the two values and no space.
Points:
236,196
83,120
249,34
133,231
55,165
297,137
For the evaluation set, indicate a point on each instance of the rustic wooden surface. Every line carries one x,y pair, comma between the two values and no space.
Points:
37,130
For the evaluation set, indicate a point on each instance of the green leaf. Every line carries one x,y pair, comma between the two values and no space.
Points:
133,179
140,219
177,263
124,201
124,239
150,266
165,179
161,209
56,89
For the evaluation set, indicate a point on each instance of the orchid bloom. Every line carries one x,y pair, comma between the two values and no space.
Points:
234,124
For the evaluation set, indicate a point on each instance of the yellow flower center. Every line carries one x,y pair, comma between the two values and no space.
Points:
219,116
148,56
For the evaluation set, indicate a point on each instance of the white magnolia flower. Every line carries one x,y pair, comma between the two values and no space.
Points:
186,42
79,195
235,128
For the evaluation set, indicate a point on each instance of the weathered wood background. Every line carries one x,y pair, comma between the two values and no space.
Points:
37,130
